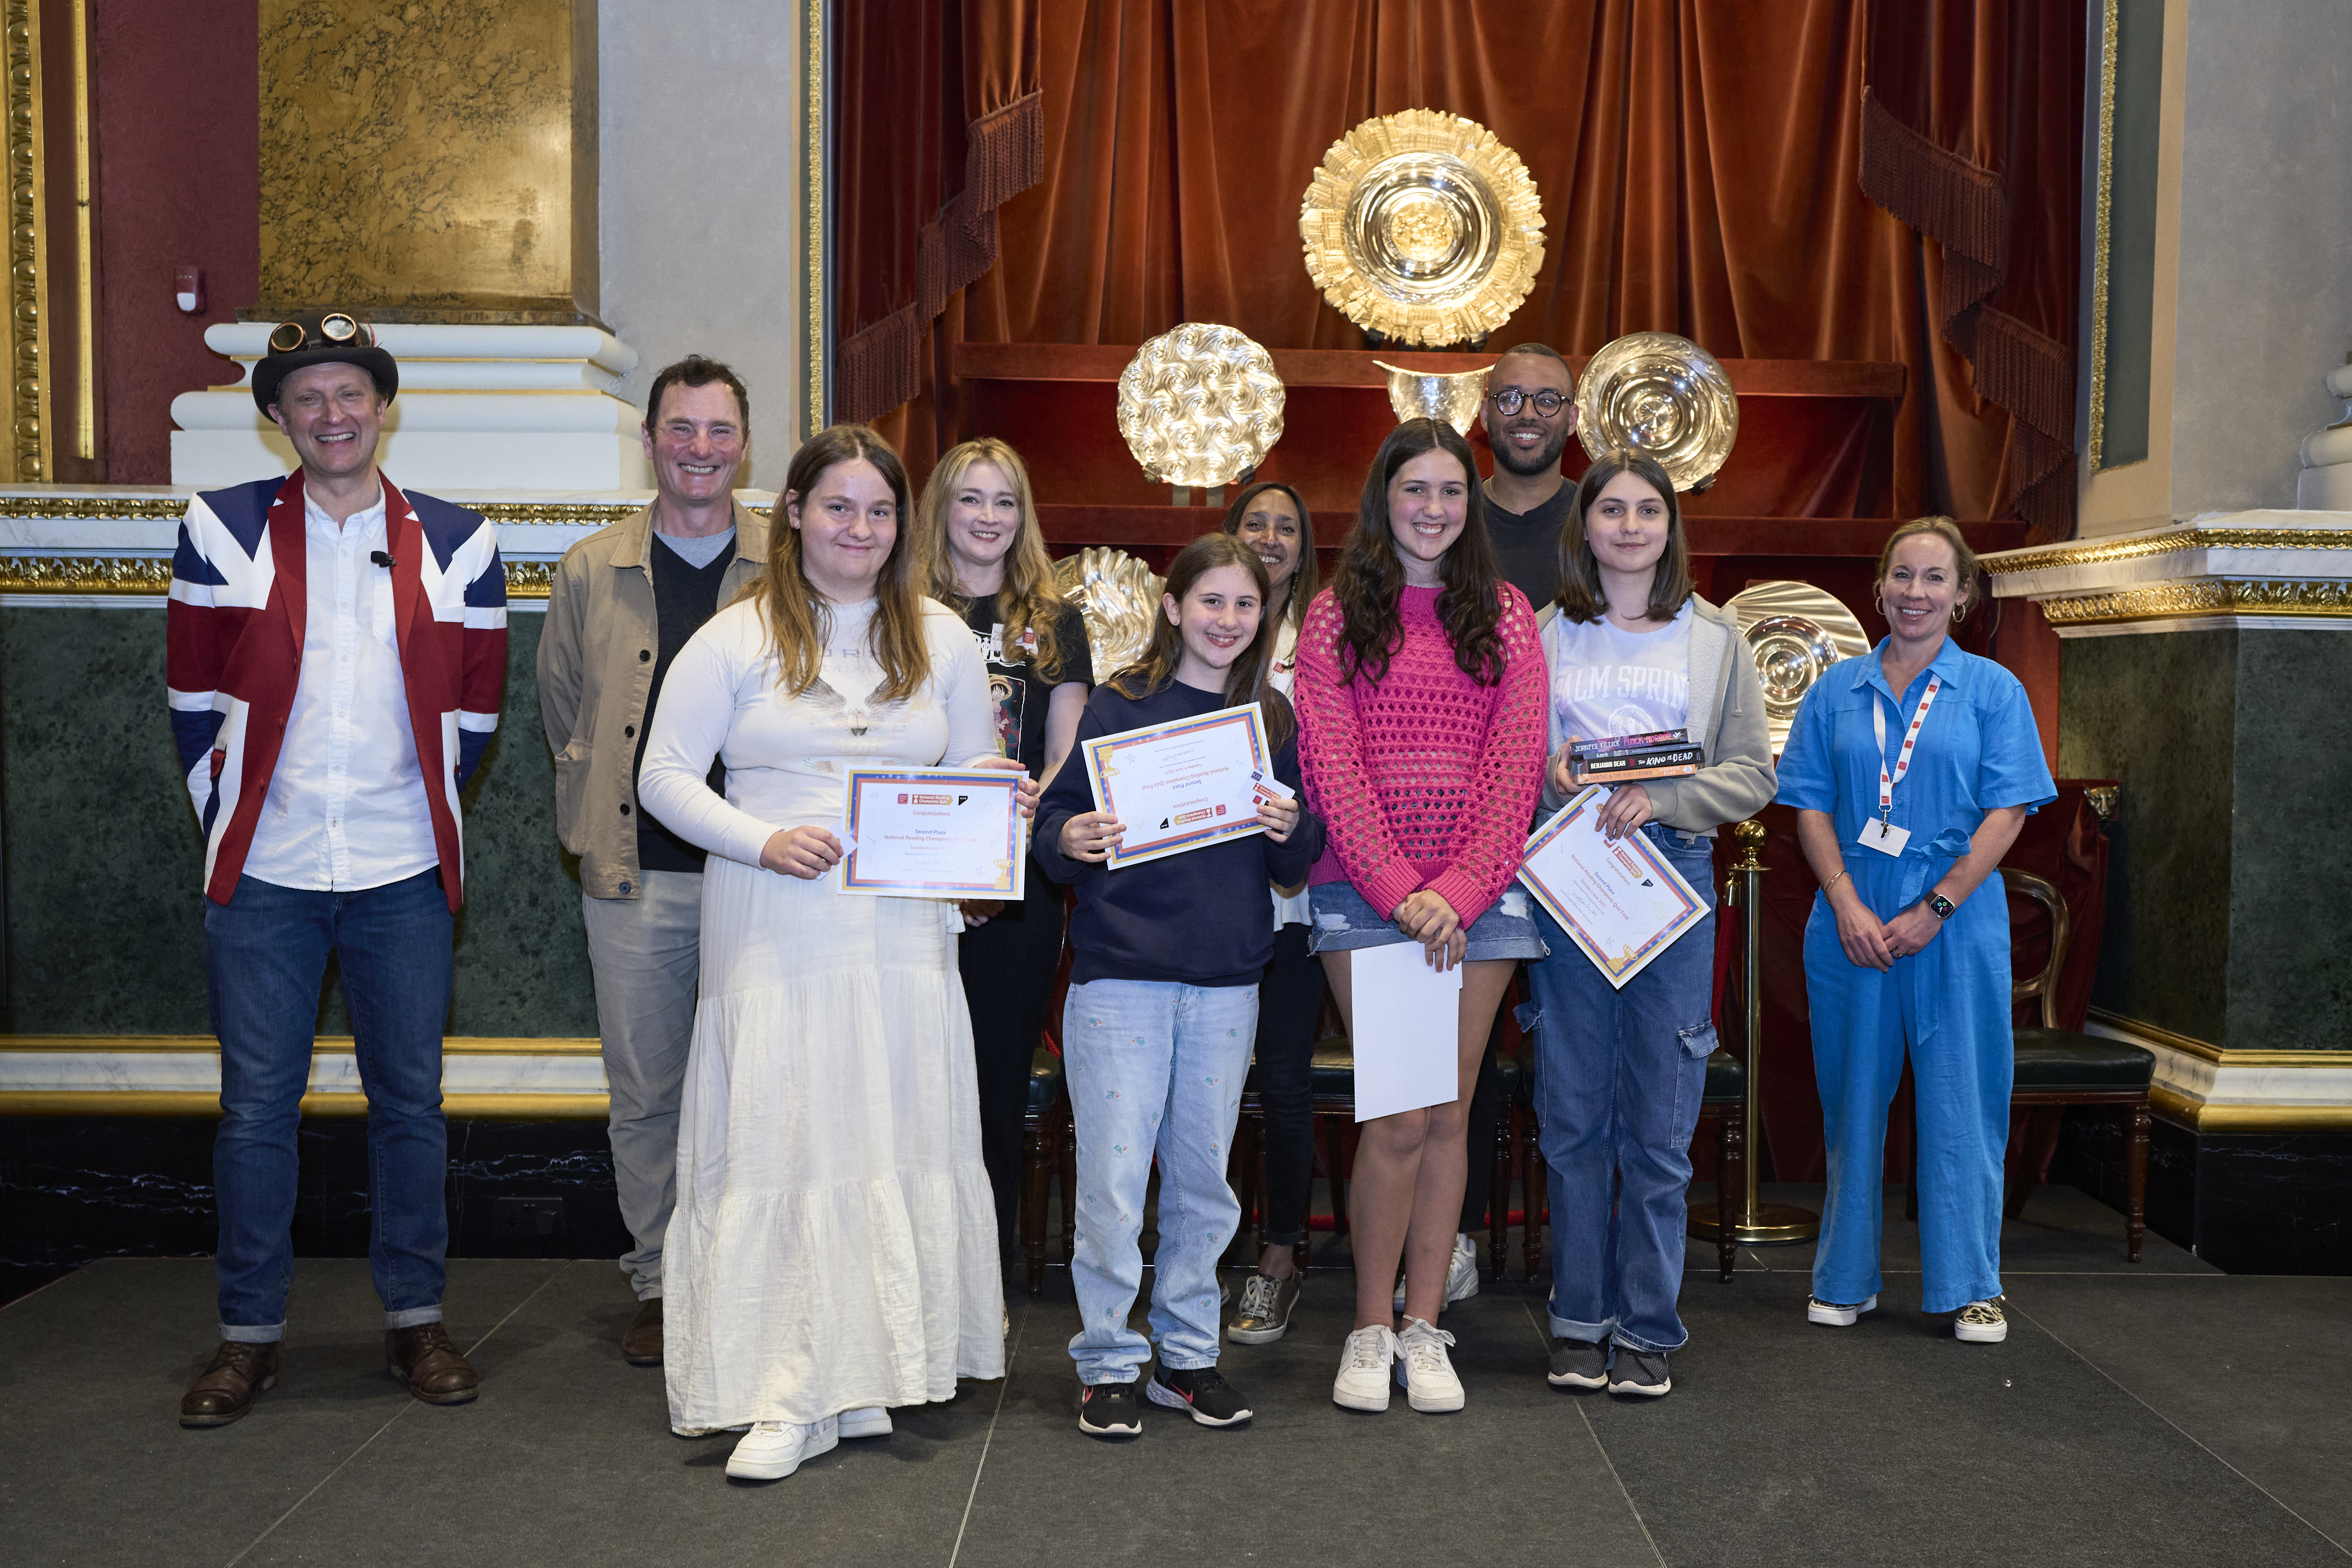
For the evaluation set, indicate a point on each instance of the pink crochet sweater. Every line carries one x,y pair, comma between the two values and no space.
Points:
1428,779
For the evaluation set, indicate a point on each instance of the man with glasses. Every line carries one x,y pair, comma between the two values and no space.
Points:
622,605
336,649
1528,415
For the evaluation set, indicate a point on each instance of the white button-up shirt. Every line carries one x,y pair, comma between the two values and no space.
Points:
347,807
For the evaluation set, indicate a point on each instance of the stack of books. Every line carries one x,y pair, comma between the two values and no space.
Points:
1630,759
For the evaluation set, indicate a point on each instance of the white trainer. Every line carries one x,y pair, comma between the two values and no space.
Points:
871,1422
1424,1368
1461,1274
1363,1380
772,1450
1837,1315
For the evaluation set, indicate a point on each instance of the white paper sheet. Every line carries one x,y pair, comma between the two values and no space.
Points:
1407,1029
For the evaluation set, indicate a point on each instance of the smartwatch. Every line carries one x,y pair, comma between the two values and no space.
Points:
1941,905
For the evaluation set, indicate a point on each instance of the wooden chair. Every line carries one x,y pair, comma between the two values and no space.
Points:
1724,1102
1049,1147
1333,1080
2057,1067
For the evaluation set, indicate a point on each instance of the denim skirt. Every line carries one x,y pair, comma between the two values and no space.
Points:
1345,920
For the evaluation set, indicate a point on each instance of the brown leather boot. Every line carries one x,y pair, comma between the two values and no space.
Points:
642,1345
437,1372
224,1390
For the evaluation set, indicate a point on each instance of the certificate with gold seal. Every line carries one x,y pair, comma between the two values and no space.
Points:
932,833
1179,786
1617,899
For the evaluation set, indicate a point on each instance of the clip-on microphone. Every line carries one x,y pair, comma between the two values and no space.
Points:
382,559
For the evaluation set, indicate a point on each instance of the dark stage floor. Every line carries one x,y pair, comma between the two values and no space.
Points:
2152,1415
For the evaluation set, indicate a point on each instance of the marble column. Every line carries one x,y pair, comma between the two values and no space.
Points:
2207,667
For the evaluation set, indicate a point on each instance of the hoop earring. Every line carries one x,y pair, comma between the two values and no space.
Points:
1959,615
1878,598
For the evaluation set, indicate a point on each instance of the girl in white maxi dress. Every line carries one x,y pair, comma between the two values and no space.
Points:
834,1247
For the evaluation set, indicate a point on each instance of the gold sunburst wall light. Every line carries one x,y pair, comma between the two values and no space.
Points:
1422,227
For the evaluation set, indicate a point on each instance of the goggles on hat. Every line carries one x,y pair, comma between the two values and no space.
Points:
335,330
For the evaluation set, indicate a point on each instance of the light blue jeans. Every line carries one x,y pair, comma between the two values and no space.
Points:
1155,1066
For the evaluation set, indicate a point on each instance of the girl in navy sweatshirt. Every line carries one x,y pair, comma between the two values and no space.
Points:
1163,1000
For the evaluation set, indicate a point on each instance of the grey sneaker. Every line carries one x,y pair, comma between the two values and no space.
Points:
1461,1274
1982,1322
1266,1306
1578,1363
1640,1373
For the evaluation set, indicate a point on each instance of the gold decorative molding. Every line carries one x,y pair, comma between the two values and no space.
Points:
28,323
2199,1116
813,200
2110,31
146,575
85,280
332,1044
86,509
2172,542
2220,1055
152,575
2319,600
181,1102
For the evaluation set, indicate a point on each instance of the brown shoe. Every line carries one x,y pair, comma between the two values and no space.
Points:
224,1390
437,1372
641,1346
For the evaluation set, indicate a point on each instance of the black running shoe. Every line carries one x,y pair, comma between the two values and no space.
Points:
1109,1410
1579,1363
1640,1373
1211,1401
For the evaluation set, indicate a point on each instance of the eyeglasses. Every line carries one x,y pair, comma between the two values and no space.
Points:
337,329
1510,400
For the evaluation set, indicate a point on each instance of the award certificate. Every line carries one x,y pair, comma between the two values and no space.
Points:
932,833
1178,786
1620,899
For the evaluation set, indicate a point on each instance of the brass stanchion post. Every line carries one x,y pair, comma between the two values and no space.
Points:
1757,1223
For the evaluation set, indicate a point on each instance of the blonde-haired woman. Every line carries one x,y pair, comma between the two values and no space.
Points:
834,1251
982,553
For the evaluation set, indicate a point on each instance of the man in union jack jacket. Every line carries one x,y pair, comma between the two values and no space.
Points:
336,653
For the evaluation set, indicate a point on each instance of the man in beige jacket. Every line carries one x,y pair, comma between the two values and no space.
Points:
623,602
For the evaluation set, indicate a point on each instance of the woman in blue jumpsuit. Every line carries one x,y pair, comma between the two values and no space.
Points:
1901,832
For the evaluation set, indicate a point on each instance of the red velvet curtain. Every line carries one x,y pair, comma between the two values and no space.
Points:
938,124
1700,164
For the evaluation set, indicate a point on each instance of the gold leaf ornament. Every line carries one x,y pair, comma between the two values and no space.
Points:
1118,597
1199,406
1422,227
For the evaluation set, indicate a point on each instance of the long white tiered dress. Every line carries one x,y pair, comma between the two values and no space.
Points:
834,1241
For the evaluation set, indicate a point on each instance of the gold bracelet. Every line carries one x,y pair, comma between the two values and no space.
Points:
1834,882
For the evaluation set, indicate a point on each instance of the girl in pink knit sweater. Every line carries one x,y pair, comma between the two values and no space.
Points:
1420,703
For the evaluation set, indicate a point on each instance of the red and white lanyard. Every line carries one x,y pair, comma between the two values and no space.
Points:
1887,782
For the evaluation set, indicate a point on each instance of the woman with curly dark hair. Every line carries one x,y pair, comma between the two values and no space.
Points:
1420,699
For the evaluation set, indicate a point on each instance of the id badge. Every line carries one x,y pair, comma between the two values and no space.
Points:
1884,836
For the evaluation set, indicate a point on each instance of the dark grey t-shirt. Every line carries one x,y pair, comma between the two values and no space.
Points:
1527,544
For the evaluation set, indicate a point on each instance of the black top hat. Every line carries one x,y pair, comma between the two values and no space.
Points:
321,337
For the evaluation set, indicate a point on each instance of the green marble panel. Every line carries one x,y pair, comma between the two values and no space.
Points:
2290,968
2159,712
104,865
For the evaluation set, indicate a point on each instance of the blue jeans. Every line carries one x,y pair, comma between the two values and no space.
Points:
1619,1075
1155,1066
265,958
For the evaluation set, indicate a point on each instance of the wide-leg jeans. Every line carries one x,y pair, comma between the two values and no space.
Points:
266,956
1619,1077
1155,1066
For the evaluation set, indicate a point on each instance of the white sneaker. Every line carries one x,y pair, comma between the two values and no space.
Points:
1363,1380
871,1422
1424,1370
772,1450
1461,1274
1837,1315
